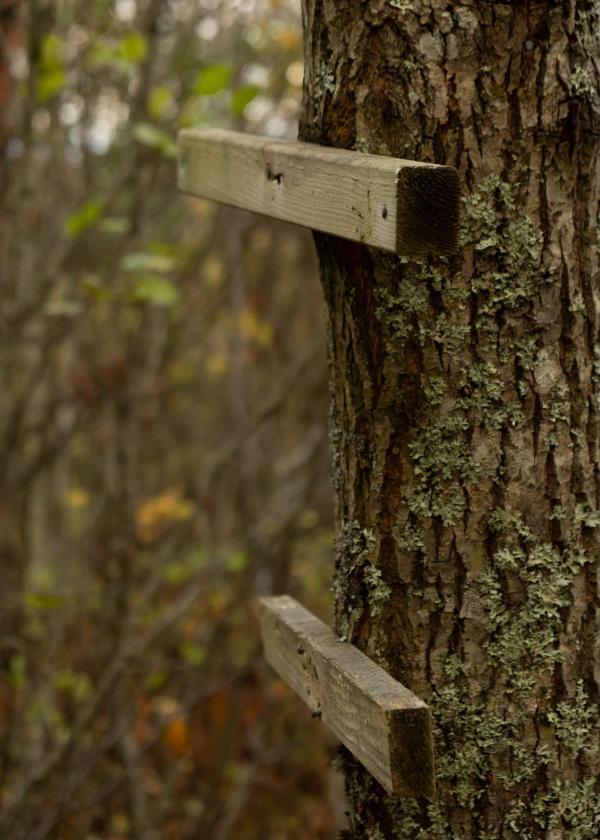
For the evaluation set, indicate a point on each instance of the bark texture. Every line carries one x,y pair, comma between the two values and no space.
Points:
465,404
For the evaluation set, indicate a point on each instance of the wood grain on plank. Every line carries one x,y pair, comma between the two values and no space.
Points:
403,206
381,722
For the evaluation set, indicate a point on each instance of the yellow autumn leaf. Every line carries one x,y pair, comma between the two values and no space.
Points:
286,37
217,365
182,371
78,498
213,271
155,514
253,328
200,209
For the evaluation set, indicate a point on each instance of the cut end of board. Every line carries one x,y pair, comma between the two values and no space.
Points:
411,753
428,210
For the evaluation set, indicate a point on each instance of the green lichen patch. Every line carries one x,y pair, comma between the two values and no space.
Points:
575,723
583,81
557,410
409,537
509,249
397,310
378,592
442,462
525,351
464,739
409,825
435,390
470,736
358,583
447,333
483,393
524,627
569,809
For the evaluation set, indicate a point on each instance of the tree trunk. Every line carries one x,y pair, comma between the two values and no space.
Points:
465,404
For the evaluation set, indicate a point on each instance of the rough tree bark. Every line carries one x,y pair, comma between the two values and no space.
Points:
465,404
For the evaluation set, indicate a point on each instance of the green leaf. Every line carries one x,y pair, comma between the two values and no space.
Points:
102,54
114,225
193,653
122,55
77,685
160,101
178,571
44,601
17,670
84,218
92,285
147,261
155,138
213,79
49,84
237,562
196,560
242,97
133,48
52,73
156,290
156,680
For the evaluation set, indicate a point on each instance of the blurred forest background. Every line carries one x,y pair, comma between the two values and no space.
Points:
163,422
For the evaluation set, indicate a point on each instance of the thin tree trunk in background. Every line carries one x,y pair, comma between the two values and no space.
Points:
10,32
465,405
10,601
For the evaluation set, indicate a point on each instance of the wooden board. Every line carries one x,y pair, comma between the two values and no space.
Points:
380,721
399,205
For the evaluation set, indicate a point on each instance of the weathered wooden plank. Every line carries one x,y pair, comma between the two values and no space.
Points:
402,206
382,723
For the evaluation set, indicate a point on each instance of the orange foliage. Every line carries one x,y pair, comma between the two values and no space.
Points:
155,514
177,737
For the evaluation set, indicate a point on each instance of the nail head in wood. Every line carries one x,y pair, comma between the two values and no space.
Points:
386,726
399,205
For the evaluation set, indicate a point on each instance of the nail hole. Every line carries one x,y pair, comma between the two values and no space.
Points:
272,176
